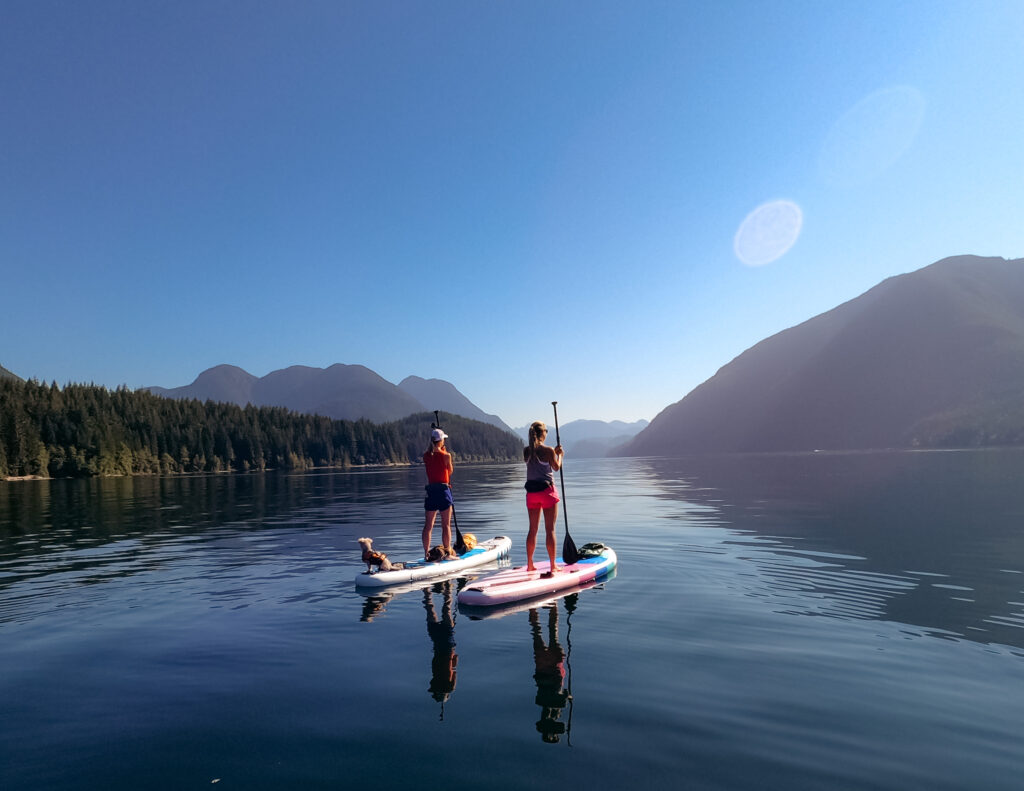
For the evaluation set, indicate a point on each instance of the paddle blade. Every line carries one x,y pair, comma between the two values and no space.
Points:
460,542
569,553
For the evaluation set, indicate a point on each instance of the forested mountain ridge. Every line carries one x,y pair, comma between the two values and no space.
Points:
933,358
343,392
5,374
442,395
85,430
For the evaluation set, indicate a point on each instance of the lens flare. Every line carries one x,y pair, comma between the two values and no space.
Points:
869,138
768,232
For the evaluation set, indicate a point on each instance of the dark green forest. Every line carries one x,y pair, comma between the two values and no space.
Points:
87,430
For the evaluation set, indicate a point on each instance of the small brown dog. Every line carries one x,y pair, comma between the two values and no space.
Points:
373,558
439,553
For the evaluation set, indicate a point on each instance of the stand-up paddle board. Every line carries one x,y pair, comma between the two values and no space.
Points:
517,584
545,600
422,569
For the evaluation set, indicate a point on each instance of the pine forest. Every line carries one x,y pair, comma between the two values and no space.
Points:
88,430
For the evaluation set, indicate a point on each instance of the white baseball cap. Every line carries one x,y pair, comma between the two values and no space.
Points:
437,435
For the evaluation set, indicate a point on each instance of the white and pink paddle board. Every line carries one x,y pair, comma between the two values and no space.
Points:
517,584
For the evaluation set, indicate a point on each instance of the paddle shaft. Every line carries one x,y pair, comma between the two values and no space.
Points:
569,553
561,475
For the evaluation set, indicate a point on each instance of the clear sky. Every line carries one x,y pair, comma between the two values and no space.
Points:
599,203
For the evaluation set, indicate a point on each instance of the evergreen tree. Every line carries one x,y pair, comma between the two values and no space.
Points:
84,430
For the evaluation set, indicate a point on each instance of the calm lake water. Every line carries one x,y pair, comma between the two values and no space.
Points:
825,621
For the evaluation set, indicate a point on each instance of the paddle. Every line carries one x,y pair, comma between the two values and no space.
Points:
460,543
569,553
570,608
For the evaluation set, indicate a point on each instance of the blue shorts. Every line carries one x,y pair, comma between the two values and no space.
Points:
439,497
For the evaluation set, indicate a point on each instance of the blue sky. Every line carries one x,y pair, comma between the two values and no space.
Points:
590,202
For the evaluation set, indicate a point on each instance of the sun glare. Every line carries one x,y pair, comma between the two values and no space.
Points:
768,232
871,136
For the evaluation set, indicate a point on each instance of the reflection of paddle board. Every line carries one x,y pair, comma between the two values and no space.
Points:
517,584
420,569
545,600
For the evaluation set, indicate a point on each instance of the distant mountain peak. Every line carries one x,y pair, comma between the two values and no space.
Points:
443,396
340,391
911,362
228,372
593,438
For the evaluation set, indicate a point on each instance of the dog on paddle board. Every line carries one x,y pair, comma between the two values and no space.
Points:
439,553
373,558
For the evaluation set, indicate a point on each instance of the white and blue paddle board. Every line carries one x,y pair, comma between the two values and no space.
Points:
421,569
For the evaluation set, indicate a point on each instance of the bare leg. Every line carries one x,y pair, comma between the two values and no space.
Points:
428,529
446,529
531,538
550,517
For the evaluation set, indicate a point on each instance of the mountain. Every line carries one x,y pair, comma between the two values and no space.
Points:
587,439
224,383
5,374
342,392
933,358
442,396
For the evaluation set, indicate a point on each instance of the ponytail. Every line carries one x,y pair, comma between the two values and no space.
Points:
537,431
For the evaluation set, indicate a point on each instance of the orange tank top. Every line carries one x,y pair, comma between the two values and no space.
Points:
437,467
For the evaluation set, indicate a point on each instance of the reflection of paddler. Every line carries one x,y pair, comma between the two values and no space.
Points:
550,674
442,635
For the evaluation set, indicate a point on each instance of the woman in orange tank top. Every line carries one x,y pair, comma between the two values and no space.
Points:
438,463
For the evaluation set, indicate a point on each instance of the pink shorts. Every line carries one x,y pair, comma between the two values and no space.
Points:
545,499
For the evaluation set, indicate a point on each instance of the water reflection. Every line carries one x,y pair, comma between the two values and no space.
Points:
374,605
931,540
441,629
550,671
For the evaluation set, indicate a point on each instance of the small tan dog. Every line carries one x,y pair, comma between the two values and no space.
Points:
373,558
439,553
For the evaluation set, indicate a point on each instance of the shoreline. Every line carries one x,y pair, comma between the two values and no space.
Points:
350,468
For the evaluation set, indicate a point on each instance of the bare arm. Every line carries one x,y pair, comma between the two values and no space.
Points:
553,456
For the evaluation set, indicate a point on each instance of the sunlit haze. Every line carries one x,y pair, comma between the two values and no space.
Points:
599,203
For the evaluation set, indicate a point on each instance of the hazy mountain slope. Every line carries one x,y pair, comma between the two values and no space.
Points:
590,438
874,372
226,383
444,397
5,374
342,392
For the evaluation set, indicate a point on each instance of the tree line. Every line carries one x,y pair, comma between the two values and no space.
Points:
88,430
